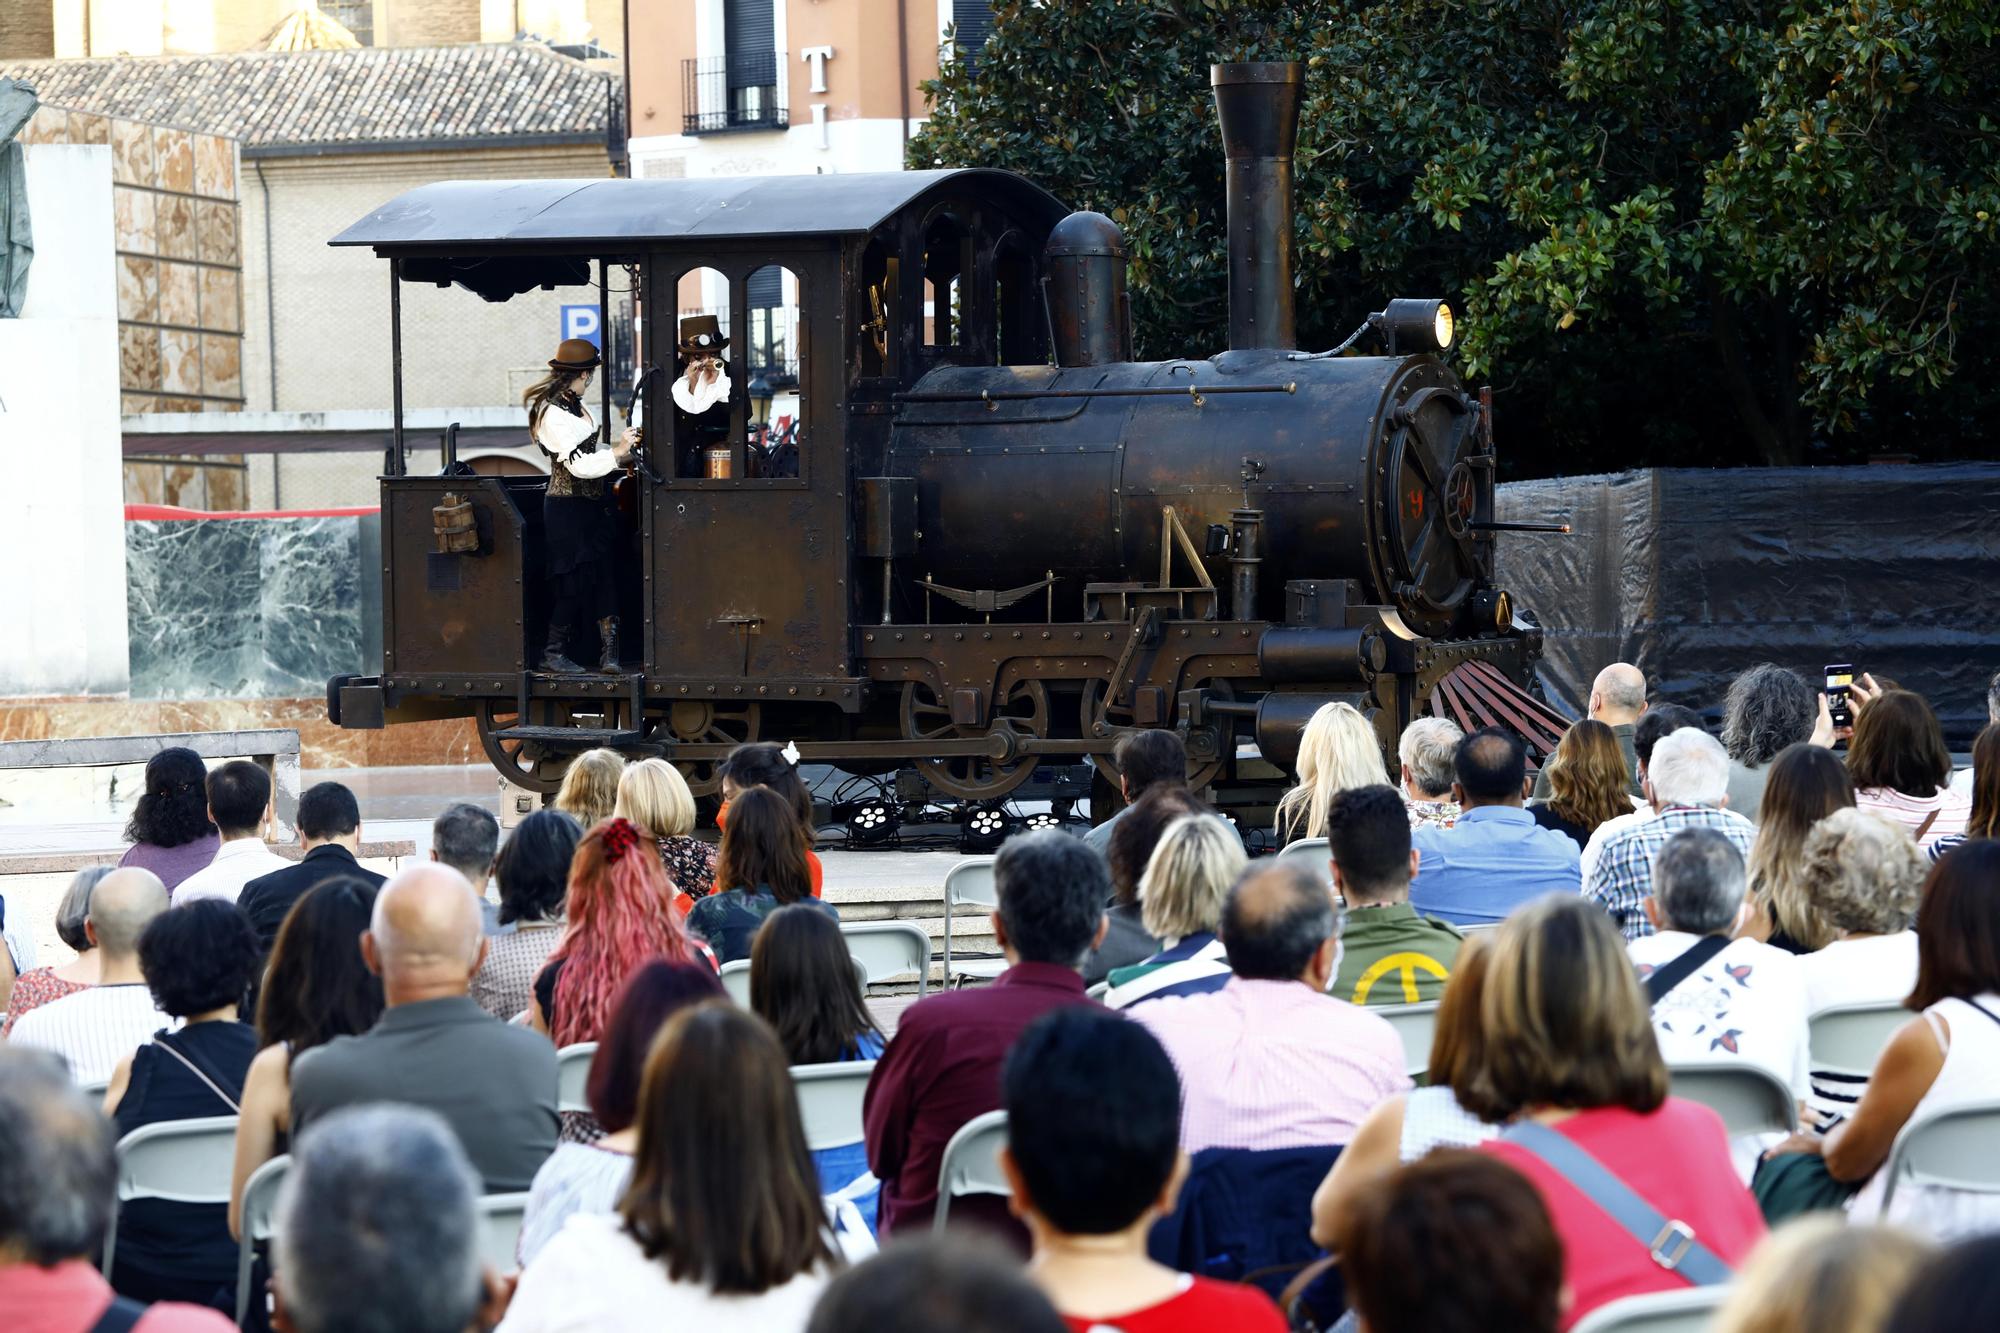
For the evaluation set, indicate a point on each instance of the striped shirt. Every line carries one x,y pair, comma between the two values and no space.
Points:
1623,876
94,1029
1947,810
1193,966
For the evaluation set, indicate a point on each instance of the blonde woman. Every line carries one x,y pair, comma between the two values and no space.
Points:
1586,783
579,526
1338,750
1180,901
1821,1275
589,791
654,795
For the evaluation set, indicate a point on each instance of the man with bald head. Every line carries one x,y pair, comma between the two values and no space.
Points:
1617,698
96,1028
434,1047
1271,1060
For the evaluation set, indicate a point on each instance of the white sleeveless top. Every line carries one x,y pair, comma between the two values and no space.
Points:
1432,1118
1971,1073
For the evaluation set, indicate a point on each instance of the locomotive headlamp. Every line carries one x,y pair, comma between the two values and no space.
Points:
1417,324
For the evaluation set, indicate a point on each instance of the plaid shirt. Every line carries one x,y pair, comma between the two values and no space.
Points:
1623,877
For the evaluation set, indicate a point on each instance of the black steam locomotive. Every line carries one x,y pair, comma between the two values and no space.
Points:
1002,541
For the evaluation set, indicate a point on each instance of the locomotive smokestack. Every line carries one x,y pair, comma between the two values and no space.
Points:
1259,108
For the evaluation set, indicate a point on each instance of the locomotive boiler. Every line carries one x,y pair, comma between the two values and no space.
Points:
1005,542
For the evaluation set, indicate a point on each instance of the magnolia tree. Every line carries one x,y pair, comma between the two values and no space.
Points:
1678,231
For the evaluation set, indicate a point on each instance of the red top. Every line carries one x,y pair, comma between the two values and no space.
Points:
1677,1159
814,870
35,988
70,1297
1201,1306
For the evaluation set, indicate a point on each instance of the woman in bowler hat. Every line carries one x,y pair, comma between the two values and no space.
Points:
580,529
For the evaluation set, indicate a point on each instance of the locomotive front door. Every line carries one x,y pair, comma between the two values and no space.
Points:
747,563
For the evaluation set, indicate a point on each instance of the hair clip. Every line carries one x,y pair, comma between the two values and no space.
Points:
791,753
620,837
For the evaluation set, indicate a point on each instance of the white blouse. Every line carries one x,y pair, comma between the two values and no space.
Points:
594,1278
561,433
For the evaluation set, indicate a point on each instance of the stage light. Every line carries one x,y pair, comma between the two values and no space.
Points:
983,828
1417,325
1042,819
872,822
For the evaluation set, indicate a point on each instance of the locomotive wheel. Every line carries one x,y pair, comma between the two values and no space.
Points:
699,722
1103,720
526,764
1025,711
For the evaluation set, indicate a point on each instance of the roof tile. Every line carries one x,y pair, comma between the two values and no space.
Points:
373,95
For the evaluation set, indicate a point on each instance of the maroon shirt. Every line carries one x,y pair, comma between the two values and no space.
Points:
942,1069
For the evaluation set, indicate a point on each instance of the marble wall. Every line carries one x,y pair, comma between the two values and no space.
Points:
243,608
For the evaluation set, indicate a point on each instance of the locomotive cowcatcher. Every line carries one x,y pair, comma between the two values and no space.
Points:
1002,540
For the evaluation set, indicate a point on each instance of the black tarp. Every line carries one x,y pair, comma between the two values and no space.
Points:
1693,575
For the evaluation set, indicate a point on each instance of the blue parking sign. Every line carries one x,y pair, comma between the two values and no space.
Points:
580,321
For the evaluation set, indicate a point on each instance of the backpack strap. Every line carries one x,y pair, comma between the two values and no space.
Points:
215,1079
1683,966
121,1316
1669,1242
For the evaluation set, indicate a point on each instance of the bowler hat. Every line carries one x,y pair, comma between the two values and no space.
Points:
575,354
701,335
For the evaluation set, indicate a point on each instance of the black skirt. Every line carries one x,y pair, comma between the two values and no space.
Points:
578,532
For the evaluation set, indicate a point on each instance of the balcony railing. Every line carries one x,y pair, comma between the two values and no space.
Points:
741,92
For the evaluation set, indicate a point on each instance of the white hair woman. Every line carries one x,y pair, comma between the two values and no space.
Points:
1338,750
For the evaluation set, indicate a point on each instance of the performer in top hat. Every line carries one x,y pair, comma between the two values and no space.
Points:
579,526
701,391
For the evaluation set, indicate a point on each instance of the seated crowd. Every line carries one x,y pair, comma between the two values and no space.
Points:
1210,1109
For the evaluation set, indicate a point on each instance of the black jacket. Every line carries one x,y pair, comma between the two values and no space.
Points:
267,898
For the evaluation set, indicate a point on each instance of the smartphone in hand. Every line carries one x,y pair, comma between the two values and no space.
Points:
1839,676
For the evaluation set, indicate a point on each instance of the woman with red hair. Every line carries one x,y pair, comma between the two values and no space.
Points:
619,920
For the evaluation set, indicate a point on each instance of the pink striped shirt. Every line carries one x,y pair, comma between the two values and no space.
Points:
1274,1064
1953,807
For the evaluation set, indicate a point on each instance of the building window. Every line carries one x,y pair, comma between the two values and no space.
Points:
745,88
357,16
972,24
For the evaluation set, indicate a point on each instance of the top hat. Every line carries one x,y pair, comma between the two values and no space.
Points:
701,335
576,354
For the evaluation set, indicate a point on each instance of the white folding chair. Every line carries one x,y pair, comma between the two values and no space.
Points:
971,1163
830,1097
1847,1038
890,949
970,884
1314,854
183,1161
1479,928
736,981
573,1076
259,1213
1749,1098
1414,1023
1098,991
94,1090
1957,1148
500,1229
1682,1311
